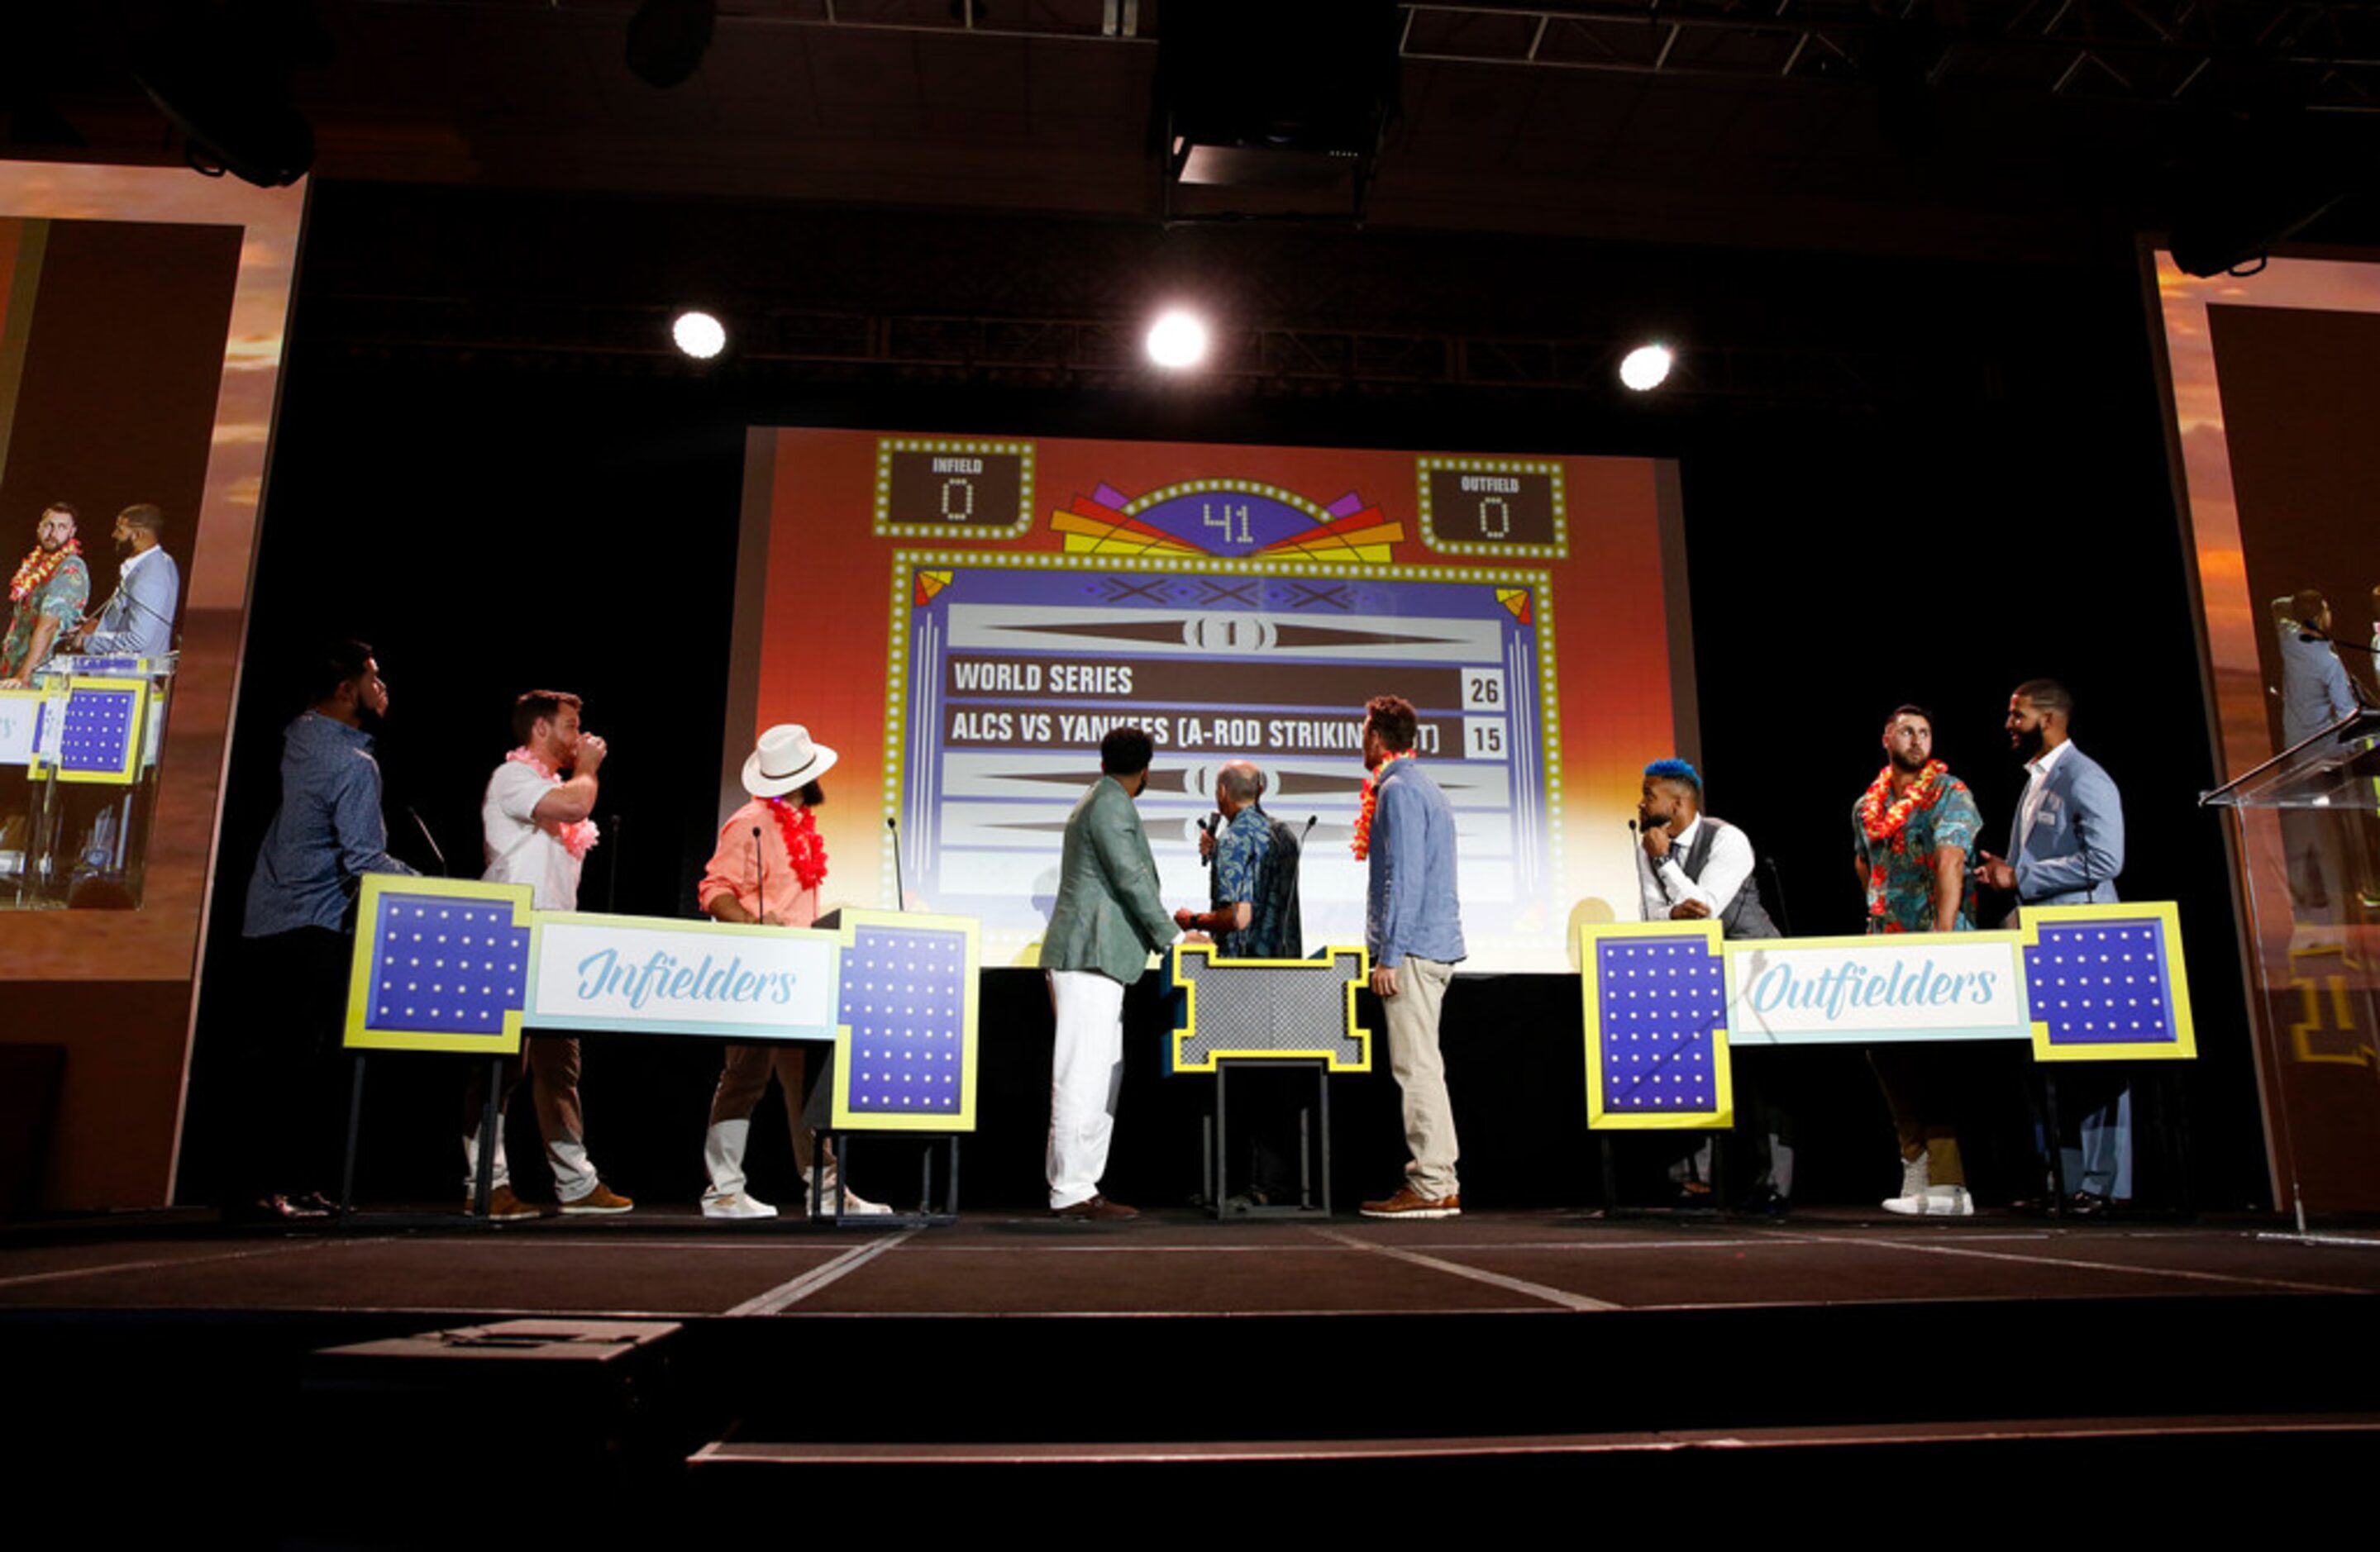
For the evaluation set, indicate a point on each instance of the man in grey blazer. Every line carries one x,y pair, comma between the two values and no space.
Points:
1108,919
2066,842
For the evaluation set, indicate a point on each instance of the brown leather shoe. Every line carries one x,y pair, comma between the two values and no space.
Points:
1409,1203
1094,1210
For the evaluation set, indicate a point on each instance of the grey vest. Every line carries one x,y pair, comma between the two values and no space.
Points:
1744,915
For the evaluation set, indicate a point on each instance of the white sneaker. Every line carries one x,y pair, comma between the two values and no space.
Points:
741,1204
1948,1201
854,1204
1908,1206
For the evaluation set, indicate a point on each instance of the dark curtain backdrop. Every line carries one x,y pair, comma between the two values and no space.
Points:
1968,488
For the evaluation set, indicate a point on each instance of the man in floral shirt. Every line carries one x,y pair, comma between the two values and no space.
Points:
47,596
1912,832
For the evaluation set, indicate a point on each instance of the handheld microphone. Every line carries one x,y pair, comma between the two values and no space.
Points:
1206,828
900,892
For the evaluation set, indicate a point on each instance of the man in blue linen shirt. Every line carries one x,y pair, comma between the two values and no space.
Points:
137,620
327,833
1413,926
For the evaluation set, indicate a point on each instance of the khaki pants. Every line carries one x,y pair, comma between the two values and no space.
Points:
1412,1055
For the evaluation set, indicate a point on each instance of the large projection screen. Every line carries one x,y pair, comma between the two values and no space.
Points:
964,616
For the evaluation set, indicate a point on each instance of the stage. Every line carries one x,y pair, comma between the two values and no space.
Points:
671,1264
967,1369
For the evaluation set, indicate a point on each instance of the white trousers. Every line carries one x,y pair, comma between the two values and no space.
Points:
1086,1074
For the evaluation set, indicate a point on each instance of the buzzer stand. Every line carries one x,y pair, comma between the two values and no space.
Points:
1293,1012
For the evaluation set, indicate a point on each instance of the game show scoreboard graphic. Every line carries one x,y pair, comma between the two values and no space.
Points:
1278,1010
1665,1001
1234,620
461,965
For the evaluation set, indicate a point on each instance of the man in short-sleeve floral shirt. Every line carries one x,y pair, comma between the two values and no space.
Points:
47,596
1912,832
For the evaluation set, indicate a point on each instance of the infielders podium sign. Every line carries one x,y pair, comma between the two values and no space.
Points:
461,965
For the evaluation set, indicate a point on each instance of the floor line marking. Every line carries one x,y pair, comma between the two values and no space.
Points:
1497,1279
168,1263
2097,1266
786,1294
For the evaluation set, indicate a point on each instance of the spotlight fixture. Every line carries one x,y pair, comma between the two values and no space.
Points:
1177,339
699,335
1645,367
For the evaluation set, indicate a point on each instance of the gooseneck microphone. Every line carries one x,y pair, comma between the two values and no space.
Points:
429,840
900,893
760,876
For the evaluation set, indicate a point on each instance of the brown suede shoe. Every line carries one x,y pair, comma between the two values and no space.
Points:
503,1205
1408,1202
602,1200
1094,1210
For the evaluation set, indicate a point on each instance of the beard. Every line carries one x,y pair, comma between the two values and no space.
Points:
2028,744
1906,765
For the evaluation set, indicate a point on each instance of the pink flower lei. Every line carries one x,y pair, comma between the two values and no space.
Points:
580,836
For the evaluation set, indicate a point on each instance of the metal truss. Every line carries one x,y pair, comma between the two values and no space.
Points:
791,346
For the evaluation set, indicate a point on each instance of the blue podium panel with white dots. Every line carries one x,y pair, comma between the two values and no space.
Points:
440,965
1655,1012
99,733
2105,982
904,1059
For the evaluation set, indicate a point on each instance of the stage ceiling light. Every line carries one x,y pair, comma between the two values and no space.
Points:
699,335
1645,367
1177,339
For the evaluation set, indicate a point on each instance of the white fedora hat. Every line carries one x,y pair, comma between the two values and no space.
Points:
784,759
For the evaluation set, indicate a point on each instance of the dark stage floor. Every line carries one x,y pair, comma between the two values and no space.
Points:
672,1264
967,1371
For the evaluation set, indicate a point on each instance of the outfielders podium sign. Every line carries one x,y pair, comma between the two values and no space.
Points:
461,965
1665,1001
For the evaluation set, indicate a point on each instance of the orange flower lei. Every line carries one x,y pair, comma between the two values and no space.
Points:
1362,844
38,567
1882,817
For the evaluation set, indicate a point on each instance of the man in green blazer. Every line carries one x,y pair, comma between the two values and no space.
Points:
1108,916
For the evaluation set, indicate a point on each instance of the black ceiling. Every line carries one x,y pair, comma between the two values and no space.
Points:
1989,127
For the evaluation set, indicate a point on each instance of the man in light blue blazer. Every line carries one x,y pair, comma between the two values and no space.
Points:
2067,843
137,620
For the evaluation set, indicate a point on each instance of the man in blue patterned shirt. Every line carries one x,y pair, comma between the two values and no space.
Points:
1255,916
1254,892
325,836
